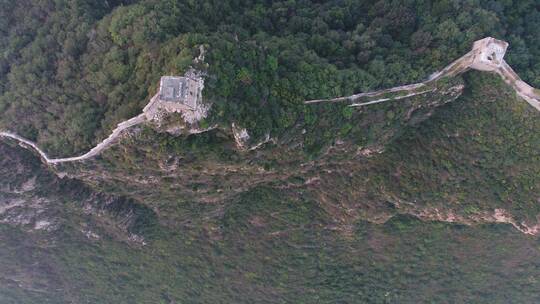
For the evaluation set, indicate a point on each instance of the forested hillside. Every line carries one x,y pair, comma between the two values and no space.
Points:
71,70
431,198
192,220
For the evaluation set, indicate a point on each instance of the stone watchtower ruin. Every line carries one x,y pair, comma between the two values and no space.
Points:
180,92
488,54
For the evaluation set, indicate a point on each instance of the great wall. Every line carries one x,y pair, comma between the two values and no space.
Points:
486,55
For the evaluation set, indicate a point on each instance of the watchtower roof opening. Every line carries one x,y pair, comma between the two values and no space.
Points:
489,53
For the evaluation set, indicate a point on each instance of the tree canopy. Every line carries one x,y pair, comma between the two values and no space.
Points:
71,70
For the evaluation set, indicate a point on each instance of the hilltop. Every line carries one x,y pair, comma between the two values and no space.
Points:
319,158
260,225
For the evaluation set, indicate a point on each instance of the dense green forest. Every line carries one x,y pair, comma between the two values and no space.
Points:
280,241
71,70
159,218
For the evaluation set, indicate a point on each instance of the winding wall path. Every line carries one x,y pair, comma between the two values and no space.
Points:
466,62
471,60
106,143
148,112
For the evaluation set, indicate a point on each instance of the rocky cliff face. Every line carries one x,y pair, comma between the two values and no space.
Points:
35,199
153,164
340,189
350,160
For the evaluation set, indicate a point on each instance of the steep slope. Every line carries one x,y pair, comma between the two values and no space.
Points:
82,67
359,165
39,213
487,55
433,197
299,237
